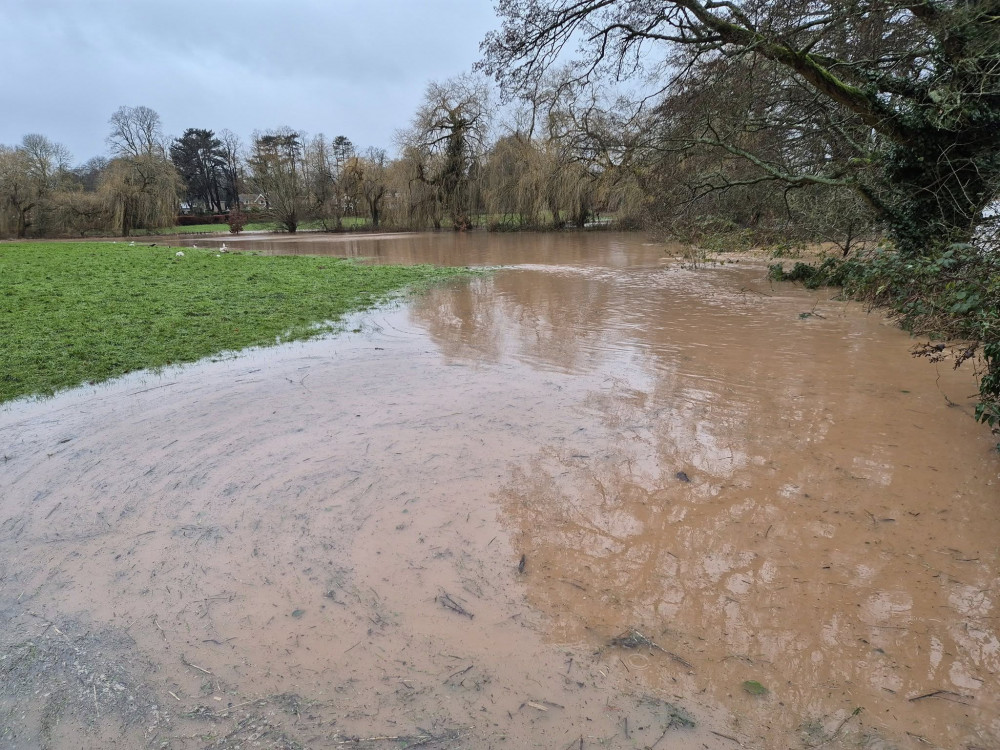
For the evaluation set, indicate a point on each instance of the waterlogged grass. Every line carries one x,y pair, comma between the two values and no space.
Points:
74,313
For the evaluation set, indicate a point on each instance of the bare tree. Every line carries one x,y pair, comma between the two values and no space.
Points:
136,131
367,176
326,163
278,172
29,174
88,175
49,160
231,168
18,192
904,98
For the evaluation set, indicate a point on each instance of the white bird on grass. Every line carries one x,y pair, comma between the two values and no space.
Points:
180,253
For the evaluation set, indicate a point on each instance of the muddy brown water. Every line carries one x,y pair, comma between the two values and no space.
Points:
712,481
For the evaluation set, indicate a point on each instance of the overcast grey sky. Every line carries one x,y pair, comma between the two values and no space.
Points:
351,67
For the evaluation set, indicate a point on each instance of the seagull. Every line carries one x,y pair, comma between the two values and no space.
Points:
224,248
180,254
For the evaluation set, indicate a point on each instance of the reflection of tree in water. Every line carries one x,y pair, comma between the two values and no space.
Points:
560,321
576,319
776,561
600,250
768,567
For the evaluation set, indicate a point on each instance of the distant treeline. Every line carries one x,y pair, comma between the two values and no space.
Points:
561,159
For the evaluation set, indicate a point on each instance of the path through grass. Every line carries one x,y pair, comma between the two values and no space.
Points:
72,313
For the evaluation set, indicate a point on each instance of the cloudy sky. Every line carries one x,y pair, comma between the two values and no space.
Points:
351,67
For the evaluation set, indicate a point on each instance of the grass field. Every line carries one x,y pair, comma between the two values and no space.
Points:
73,313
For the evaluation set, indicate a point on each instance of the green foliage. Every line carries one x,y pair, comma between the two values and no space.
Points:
237,221
831,272
755,688
86,312
952,294
678,718
200,160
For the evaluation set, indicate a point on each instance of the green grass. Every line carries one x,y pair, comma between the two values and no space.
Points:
74,313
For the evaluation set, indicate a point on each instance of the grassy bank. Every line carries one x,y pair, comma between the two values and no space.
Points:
72,313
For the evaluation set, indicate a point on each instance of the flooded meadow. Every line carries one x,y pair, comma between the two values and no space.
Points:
595,497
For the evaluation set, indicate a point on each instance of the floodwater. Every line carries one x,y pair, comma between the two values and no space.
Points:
584,501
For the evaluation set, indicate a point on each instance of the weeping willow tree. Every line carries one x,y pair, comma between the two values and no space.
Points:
368,182
446,141
513,182
570,153
420,203
78,212
140,192
570,186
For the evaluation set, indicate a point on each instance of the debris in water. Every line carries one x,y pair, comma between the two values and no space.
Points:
520,565
449,603
297,614
632,638
186,663
947,695
755,688
683,476
459,673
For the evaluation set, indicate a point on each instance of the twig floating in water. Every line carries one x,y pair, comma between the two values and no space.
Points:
186,663
449,603
947,695
459,672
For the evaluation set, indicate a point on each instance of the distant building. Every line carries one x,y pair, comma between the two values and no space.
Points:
253,201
